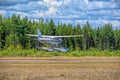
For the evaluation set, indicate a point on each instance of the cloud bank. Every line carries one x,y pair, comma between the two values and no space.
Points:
97,12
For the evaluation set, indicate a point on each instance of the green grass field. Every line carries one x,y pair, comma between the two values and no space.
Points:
40,53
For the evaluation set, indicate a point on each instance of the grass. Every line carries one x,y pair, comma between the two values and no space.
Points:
60,71
40,53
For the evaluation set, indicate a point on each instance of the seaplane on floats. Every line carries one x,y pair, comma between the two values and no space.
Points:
53,41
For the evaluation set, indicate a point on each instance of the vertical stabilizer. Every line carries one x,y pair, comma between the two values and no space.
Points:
39,33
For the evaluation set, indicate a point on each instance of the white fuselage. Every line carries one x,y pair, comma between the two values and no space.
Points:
50,40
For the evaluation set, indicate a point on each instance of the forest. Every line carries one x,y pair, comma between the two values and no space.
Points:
99,38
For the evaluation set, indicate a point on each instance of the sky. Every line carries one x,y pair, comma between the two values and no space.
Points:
97,12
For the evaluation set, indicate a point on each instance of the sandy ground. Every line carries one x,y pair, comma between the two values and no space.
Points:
59,68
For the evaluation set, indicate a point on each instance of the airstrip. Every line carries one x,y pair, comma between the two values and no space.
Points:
59,68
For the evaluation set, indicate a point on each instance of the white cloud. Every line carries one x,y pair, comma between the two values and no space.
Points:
100,5
96,23
52,10
115,23
116,12
52,3
2,12
81,22
19,7
86,1
98,12
66,2
67,21
22,14
50,13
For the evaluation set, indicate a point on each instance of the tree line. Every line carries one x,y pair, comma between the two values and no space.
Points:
14,28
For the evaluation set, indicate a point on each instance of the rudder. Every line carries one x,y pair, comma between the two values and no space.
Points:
39,33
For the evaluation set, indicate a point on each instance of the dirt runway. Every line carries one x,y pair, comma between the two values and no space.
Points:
60,68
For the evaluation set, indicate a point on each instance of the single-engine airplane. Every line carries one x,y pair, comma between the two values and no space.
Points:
54,41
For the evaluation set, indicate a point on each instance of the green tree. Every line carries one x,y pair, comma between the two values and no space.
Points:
107,36
86,32
78,40
14,28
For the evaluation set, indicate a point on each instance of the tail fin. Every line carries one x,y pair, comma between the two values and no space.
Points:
39,33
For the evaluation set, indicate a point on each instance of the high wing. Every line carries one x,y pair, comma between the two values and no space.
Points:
64,36
42,36
54,36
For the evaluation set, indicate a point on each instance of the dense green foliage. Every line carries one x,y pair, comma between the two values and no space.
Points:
13,30
37,53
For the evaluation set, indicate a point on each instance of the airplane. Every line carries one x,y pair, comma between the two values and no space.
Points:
54,41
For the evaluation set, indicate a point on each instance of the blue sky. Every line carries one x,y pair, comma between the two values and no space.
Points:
97,12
